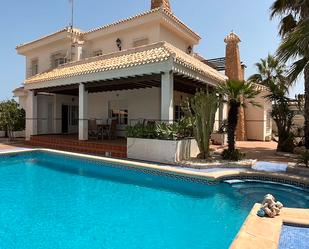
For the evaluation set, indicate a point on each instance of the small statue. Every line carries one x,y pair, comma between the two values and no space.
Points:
269,207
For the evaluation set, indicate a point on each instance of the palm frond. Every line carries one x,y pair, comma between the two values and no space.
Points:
297,68
287,24
295,44
237,90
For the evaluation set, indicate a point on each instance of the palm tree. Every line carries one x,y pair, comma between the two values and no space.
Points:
294,28
271,73
271,70
237,92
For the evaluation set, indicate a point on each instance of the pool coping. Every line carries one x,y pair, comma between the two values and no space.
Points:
218,176
257,232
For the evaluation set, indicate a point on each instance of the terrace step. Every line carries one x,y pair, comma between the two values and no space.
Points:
118,151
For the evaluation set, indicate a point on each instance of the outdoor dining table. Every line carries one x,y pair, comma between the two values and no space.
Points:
102,128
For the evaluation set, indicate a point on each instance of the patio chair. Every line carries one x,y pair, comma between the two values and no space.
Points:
93,130
112,129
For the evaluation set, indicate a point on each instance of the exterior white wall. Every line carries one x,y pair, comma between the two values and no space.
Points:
43,55
43,123
256,119
171,37
152,30
22,101
53,125
107,43
141,103
221,115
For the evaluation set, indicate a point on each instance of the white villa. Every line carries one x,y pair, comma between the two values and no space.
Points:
138,68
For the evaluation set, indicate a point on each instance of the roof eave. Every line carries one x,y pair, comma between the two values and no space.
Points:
45,40
169,14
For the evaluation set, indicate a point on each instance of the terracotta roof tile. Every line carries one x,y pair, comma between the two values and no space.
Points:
161,9
153,53
80,32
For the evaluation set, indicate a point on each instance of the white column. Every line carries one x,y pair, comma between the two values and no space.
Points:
83,113
167,96
56,118
31,115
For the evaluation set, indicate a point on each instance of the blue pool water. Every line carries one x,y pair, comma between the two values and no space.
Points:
294,237
52,201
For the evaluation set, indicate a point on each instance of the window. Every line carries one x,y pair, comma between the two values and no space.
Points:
98,53
140,42
120,115
268,122
178,113
34,67
74,115
58,59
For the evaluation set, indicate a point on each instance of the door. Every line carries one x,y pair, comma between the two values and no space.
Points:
65,119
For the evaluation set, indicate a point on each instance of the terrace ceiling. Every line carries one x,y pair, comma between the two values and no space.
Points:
181,83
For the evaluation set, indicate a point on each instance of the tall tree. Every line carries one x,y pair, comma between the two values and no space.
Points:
272,74
12,117
237,93
294,29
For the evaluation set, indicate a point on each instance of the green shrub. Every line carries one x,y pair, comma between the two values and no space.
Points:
234,155
12,117
160,130
304,158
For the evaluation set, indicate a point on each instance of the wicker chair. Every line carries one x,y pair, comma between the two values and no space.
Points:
93,130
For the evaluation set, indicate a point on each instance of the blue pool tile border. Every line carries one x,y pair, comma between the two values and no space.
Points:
195,179
287,223
120,165
267,178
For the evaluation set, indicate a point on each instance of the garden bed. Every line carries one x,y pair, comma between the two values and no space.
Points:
161,151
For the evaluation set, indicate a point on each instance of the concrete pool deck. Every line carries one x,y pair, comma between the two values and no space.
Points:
257,232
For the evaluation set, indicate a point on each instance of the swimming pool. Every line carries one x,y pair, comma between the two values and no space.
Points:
54,201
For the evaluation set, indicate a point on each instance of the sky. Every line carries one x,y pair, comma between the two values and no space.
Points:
211,19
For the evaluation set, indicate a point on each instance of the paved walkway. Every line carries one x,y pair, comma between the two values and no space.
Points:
6,145
262,151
